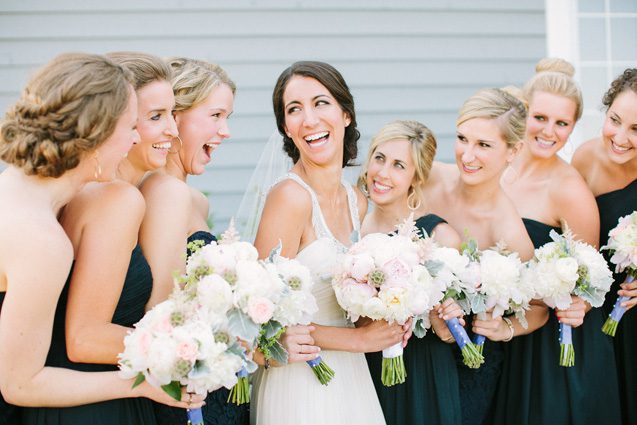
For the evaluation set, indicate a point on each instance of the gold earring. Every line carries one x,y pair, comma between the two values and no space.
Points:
410,200
181,145
98,168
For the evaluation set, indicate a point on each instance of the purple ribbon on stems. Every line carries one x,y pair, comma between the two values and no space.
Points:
610,326
470,354
240,393
195,416
321,370
567,352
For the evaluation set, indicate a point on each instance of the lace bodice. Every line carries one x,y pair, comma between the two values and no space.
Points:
322,255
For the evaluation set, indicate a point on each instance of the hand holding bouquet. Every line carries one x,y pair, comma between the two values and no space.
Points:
383,277
564,267
622,242
227,283
500,289
295,307
453,270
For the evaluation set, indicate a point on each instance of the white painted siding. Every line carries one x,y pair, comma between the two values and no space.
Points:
411,59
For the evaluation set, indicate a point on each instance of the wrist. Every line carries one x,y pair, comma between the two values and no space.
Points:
510,331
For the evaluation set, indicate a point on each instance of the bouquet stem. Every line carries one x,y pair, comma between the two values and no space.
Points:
470,354
195,417
610,326
240,393
321,370
478,341
393,371
567,352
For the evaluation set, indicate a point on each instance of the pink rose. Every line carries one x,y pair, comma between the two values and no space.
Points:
260,309
163,325
397,272
187,350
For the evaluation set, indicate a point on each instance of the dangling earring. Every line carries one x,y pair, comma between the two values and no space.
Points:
98,168
181,145
410,199
363,187
506,178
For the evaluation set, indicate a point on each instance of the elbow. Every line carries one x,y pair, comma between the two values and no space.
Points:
14,393
75,348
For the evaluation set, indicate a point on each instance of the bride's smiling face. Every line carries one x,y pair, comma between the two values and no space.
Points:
314,121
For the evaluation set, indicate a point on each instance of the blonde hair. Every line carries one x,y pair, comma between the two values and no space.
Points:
70,107
144,67
423,149
193,81
555,76
501,106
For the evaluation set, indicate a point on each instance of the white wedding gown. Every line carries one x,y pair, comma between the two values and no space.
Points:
291,394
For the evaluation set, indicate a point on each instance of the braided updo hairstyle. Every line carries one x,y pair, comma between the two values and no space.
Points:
69,108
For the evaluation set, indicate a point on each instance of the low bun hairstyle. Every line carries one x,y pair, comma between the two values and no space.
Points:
69,108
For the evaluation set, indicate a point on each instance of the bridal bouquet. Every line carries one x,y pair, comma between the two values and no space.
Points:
452,269
295,307
383,277
622,242
564,267
500,287
228,283
174,346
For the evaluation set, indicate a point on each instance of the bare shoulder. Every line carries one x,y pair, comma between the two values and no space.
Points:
568,185
40,241
447,236
290,198
164,189
585,156
115,196
200,202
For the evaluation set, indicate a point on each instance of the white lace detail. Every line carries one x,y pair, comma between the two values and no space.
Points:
318,221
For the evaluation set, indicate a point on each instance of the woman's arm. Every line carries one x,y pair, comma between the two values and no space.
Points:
576,206
496,329
164,232
36,269
111,218
286,214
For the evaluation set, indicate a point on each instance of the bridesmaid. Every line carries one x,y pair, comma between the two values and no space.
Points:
398,164
177,213
534,388
106,298
72,125
609,166
490,127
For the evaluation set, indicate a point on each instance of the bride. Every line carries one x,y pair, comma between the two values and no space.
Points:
313,213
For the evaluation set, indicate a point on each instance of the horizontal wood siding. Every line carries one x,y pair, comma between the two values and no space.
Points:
406,59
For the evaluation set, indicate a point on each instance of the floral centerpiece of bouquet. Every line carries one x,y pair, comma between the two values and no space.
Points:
499,287
452,269
296,306
566,267
226,280
384,277
622,243
174,345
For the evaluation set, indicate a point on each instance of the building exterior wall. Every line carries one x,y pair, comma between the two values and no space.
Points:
404,59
